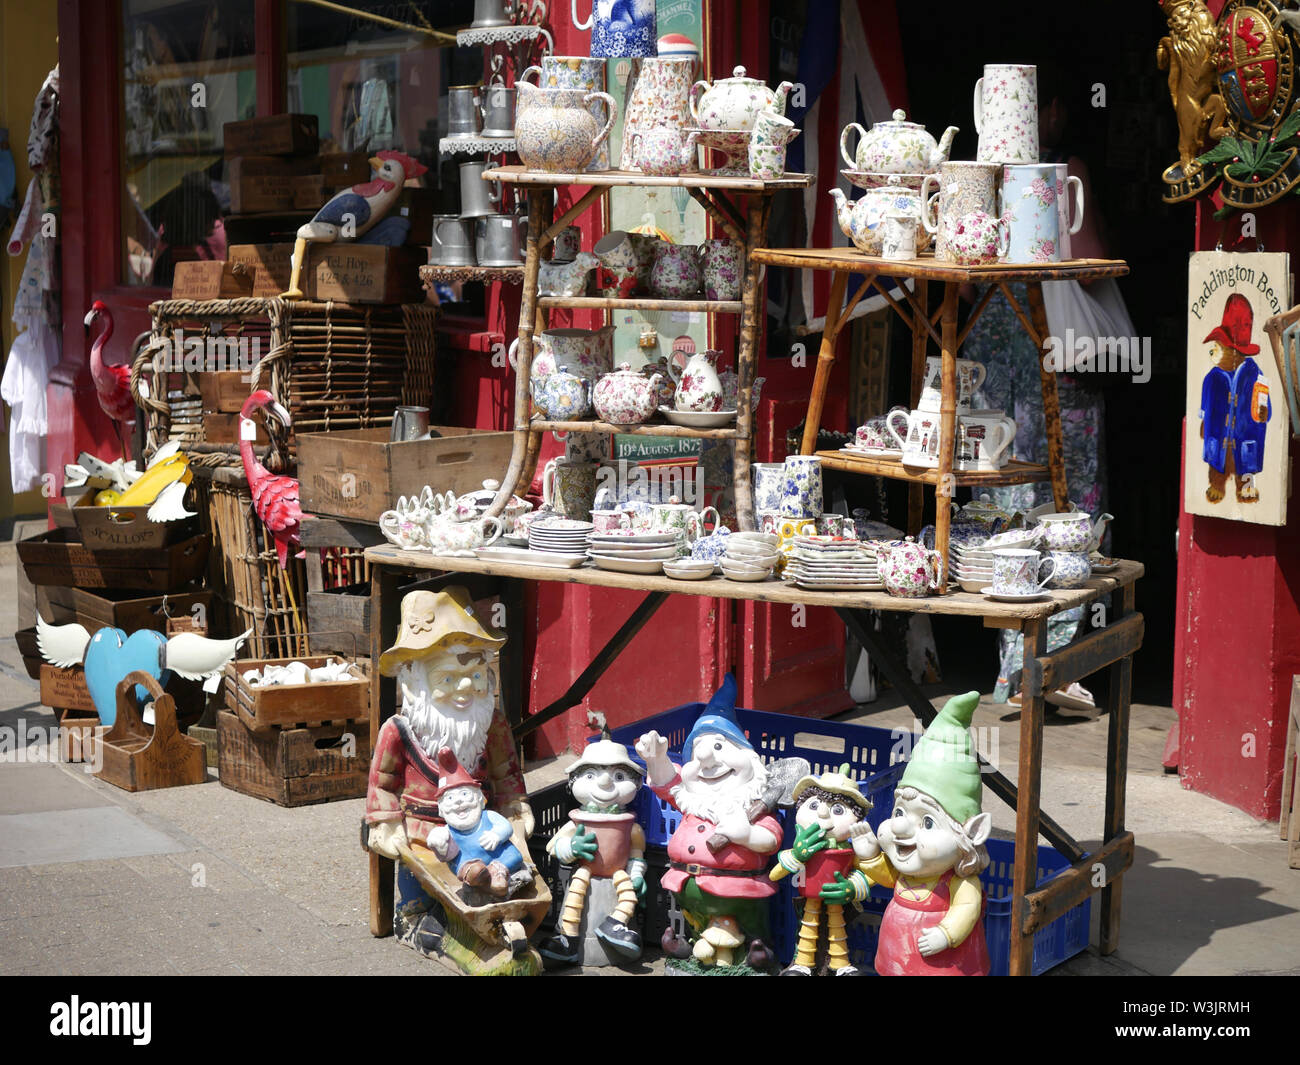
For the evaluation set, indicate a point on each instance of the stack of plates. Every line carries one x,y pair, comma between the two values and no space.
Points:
643,553
751,556
562,536
972,567
831,563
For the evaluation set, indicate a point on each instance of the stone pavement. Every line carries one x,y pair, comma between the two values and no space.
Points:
94,880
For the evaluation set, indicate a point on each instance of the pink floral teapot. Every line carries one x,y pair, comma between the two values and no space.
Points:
907,569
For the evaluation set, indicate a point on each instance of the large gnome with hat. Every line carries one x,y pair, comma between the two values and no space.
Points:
717,858
1235,408
606,846
441,662
934,841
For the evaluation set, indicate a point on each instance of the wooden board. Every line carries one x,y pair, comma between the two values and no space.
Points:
272,135
357,474
338,620
293,767
652,428
65,689
210,279
285,705
1013,472
928,268
647,303
521,175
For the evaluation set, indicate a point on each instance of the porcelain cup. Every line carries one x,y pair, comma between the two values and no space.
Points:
1018,571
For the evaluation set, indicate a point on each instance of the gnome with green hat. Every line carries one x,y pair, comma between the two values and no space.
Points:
934,841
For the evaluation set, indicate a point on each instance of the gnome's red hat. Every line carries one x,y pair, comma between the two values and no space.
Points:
1238,322
409,166
452,773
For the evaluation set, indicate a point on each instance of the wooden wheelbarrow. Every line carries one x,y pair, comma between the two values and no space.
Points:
484,937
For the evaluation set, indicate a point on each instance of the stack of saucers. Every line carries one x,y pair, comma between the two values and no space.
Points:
972,562
831,564
557,535
751,556
643,553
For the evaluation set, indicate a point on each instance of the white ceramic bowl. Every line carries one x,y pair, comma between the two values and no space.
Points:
747,552
745,571
689,569
770,539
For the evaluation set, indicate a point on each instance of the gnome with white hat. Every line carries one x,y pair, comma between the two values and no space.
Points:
934,841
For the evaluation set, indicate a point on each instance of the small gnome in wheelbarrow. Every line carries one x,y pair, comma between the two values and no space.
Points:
835,861
607,845
934,925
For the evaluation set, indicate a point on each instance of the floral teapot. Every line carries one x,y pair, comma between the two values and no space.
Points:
562,396
860,219
730,381
481,499
897,147
626,397
977,238
1073,530
734,103
907,569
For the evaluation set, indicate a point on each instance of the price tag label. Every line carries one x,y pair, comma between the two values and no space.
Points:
247,429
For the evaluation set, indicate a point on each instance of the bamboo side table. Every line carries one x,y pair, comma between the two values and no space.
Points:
739,206
915,311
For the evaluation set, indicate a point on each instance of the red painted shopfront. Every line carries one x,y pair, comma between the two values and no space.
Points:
784,661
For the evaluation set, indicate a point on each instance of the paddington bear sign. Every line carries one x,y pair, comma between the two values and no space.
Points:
1238,428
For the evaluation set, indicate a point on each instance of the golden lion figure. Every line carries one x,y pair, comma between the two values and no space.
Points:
1188,53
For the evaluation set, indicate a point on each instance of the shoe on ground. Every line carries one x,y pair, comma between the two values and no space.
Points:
1075,697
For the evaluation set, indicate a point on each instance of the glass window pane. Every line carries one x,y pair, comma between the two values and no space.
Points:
187,70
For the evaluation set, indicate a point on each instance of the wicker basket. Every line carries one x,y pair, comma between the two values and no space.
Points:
333,365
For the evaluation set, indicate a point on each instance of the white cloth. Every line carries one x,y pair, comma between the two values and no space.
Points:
34,354
1097,311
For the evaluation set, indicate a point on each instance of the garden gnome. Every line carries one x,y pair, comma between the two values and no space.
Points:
835,860
718,854
441,661
608,846
474,841
934,925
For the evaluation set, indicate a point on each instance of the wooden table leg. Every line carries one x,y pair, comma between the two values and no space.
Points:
1051,401
1117,705
920,344
385,614
825,360
751,324
947,486
1029,788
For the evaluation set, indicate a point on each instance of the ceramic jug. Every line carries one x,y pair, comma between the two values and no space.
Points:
970,375
731,390
984,439
963,188
664,151
920,442
569,488
657,98
676,272
556,132
897,147
566,278
721,262
1030,210
907,569
626,397
1006,114
574,72
698,386
620,29
586,352
1064,182
734,103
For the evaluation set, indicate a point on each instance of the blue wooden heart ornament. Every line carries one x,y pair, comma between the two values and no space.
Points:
111,655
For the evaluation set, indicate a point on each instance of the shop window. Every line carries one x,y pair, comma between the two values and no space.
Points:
187,70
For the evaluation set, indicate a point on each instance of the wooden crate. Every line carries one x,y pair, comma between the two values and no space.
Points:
272,135
294,767
224,391
338,620
210,279
118,610
224,429
364,273
287,705
344,168
206,735
127,527
358,474
309,192
58,557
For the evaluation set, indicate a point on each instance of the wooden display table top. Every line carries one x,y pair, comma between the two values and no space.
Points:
957,603
928,268
521,175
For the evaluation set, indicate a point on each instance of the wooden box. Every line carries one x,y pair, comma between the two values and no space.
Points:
139,757
286,705
206,735
271,264
127,527
344,168
338,620
224,391
58,557
224,429
65,689
294,767
272,135
27,647
78,732
364,273
117,610
357,474
309,192
261,183
210,279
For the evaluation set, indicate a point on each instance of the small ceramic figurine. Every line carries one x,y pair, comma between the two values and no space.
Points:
717,855
474,841
835,860
934,925
608,847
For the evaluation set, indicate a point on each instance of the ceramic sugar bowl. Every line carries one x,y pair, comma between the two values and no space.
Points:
734,103
626,397
976,238
897,147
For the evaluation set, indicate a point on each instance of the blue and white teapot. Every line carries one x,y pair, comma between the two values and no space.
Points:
562,396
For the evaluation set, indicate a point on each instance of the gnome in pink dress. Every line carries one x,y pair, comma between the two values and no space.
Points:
934,841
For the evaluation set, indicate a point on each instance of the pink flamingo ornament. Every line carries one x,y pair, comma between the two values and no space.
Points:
112,383
275,498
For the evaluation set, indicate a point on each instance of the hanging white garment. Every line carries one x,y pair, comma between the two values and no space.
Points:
34,354
1097,312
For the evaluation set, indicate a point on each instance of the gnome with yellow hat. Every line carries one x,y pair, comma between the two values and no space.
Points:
934,841
441,662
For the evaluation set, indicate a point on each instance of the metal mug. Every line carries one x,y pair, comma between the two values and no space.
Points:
464,111
493,13
435,246
410,423
498,240
453,239
498,111
477,200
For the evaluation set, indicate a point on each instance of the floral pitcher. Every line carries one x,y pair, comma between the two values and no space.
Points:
698,385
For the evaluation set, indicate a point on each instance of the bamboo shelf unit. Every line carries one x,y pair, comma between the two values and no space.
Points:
739,207
939,325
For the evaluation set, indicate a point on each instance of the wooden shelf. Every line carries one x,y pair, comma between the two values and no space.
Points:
644,429
1012,473
928,268
639,303
521,175
440,272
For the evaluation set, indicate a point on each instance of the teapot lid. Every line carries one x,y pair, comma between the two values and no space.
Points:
738,74
899,118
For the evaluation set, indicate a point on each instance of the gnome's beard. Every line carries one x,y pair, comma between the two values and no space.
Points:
437,725
713,801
